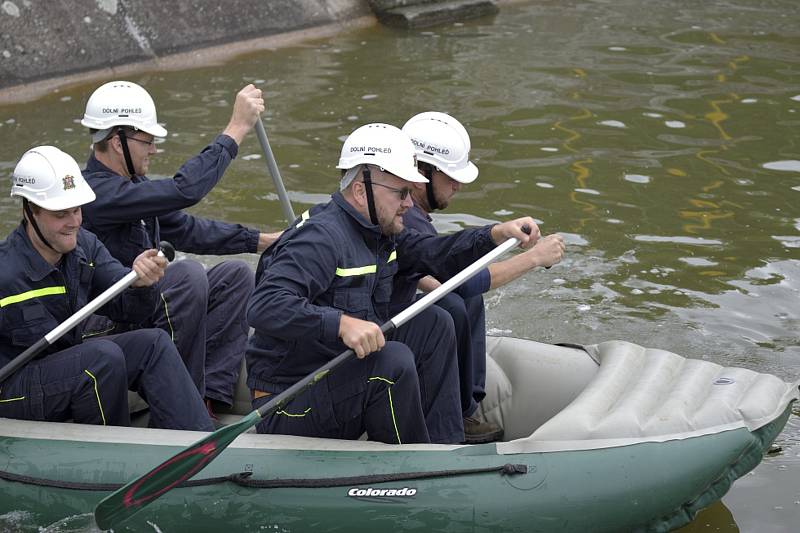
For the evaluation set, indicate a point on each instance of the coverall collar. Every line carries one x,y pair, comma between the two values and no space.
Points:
93,166
366,226
36,268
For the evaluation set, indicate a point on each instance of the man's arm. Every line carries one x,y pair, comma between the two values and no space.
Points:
248,107
428,284
133,305
265,240
441,256
545,253
197,235
121,200
298,272
444,256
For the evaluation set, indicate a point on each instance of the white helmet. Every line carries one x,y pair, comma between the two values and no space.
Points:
121,103
385,146
443,142
51,179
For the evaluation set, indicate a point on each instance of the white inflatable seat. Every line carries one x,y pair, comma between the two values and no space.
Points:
528,382
642,394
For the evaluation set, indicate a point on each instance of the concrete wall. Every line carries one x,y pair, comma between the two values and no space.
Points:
46,39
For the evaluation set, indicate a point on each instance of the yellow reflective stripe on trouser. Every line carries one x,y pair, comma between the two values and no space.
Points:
294,415
36,293
166,314
12,399
305,216
356,271
97,395
391,404
392,256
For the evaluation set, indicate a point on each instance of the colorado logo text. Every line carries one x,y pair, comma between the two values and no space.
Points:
357,492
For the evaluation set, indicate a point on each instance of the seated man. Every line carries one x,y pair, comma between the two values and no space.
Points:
203,311
325,286
442,147
51,268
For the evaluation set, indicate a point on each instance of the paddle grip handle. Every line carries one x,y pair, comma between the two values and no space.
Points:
167,249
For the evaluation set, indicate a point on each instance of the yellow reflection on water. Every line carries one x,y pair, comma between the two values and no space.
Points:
716,38
718,116
578,168
715,517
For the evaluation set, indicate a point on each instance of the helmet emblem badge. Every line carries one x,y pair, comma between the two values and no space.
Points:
69,182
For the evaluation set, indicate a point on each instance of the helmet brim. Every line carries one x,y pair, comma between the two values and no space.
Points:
413,176
404,174
59,204
156,130
467,174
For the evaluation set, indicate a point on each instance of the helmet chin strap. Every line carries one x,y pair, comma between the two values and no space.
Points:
123,139
373,216
27,208
433,205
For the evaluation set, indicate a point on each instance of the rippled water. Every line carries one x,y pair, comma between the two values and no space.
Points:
659,138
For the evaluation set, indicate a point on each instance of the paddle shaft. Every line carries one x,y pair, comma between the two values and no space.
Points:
272,166
80,315
130,499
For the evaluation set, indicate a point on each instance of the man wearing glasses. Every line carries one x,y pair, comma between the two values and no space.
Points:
202,311
326,286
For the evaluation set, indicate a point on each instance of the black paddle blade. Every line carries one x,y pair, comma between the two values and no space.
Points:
130,499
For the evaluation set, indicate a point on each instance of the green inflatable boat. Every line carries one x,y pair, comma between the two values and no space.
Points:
609,437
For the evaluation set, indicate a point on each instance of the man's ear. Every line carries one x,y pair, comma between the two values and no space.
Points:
359,191
116,144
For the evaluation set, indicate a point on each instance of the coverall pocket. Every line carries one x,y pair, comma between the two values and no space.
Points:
35,322
21,395
354,302
347,392
383,289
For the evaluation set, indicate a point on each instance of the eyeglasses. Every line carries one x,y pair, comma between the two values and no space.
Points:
148,143
402,193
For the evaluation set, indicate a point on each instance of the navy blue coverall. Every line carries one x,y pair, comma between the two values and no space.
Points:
465,306
87,382
203,312
335,263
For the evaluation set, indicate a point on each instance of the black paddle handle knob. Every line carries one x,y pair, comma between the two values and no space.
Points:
167,249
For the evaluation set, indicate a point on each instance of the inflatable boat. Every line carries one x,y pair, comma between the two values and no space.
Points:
608,437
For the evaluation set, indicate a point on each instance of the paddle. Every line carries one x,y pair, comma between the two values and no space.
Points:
272,166
131,498
165,250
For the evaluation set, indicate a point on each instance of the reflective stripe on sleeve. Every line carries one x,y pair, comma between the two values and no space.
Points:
36,293
356,271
